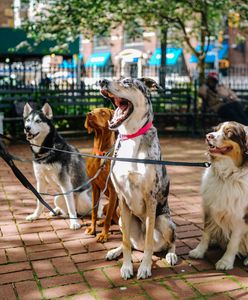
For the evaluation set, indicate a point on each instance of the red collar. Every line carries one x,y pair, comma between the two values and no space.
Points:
141,131
98,152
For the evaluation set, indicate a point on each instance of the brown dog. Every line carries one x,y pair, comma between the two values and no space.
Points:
104,139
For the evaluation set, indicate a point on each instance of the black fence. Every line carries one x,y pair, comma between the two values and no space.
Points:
70,106
176,109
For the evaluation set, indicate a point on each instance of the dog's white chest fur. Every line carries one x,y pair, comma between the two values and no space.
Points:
50,172
133,180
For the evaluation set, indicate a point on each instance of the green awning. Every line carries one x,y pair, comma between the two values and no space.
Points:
14,43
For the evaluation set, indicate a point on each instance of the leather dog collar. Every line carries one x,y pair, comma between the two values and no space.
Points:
141,131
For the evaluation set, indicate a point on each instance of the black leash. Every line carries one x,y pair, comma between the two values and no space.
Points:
137,160
19,175
85,184
8,158
134,160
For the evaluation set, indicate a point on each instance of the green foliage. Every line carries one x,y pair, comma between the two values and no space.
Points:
188,19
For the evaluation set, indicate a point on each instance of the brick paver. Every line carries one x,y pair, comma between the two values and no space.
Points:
44,259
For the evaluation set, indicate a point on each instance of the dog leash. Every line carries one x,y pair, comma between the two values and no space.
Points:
8,158
77,189
85,184
139,160
134,160
19,175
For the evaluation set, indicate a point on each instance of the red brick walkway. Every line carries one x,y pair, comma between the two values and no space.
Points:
46,260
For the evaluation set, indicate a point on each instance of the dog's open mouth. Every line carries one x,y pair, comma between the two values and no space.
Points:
31,136
218,150
123,108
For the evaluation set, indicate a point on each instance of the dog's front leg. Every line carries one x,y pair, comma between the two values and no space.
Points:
227,260
95,202
202,247
126,215
70,203
41,187
144,270
103,236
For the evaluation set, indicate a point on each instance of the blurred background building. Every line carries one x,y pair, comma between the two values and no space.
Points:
22,61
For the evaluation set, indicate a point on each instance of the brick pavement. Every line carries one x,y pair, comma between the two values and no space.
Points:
46,260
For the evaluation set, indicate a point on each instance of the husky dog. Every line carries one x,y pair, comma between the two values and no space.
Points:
53,168
142,189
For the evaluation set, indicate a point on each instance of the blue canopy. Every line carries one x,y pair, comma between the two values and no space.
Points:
70,65
73,63
172,55
98,59
211,53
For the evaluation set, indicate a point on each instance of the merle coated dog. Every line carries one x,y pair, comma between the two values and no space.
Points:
142,189
63,171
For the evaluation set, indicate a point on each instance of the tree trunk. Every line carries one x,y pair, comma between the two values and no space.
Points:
201,57
162,69
201,66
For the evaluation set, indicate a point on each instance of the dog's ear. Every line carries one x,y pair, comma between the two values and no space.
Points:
47,111
151,84
26,110
87,126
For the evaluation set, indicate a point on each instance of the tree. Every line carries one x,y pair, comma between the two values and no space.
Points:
195,20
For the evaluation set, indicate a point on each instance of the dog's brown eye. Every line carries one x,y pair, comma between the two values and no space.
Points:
37,121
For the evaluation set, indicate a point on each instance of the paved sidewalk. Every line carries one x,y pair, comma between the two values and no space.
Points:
46,260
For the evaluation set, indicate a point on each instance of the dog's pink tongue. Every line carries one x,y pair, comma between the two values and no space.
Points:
219,150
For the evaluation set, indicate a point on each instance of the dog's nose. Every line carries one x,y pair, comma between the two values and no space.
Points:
27,128
210,136
103,83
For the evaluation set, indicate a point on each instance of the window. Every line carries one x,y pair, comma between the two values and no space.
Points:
101,42
134,37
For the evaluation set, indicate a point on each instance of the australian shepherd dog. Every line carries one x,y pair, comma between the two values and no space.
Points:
225,195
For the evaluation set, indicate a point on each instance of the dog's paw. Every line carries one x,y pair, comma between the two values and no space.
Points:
90,230
127,271
224,264
113,254
171,258
102,237
75,225
32,217
144,271
196,253
57,212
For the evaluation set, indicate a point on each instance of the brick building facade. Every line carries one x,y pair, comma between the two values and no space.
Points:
6,13
125,53
238,53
